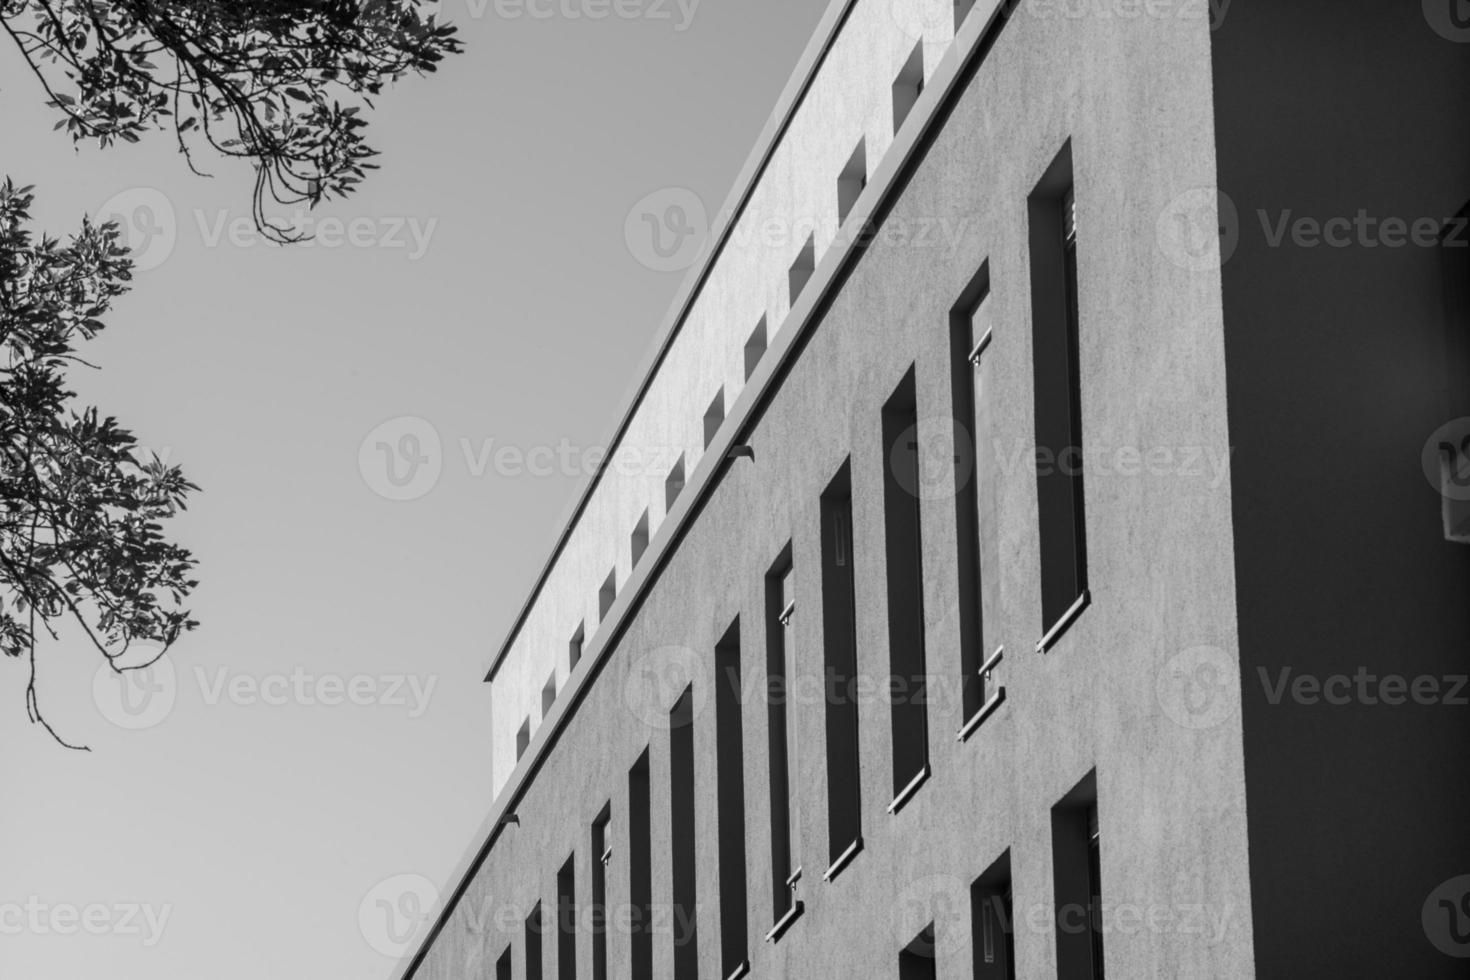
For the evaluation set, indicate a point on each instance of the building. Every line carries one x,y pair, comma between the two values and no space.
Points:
867,677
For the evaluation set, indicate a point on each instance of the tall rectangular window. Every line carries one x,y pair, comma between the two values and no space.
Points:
972,384
601,856
730,799
566,920
683,852
504,969
780,679
1058,392
640,868
533,943
992,920
839,625
907,689
916,961
1077,879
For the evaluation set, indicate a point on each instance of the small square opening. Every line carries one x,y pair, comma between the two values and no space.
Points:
674,483
714,417
852,180
802,268
907,86
606,595
638,542
755,348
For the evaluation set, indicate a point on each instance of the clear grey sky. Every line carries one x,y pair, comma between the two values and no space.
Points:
234,831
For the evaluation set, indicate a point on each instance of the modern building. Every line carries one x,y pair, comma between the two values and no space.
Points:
847,666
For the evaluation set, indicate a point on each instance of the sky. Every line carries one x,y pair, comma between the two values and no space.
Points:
299,777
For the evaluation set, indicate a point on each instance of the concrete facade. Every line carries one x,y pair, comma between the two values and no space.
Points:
1251,502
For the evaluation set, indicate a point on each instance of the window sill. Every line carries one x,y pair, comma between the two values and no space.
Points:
843,860
784,923
741,970
907,793
986,710
1062,625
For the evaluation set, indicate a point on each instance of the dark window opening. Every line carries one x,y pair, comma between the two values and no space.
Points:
566,920
1077,877
755,348
574,648
674,484
780,678
992,921
533,943
976,521
907,86
839,623
607,595
908,695
504,970
548,695
638,541
523,739
683,853
601,855
803,268
1058,393
852,180
916,961
640,868
714,417
730,800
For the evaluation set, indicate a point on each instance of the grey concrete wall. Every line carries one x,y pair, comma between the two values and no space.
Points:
1170,780
1337,377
